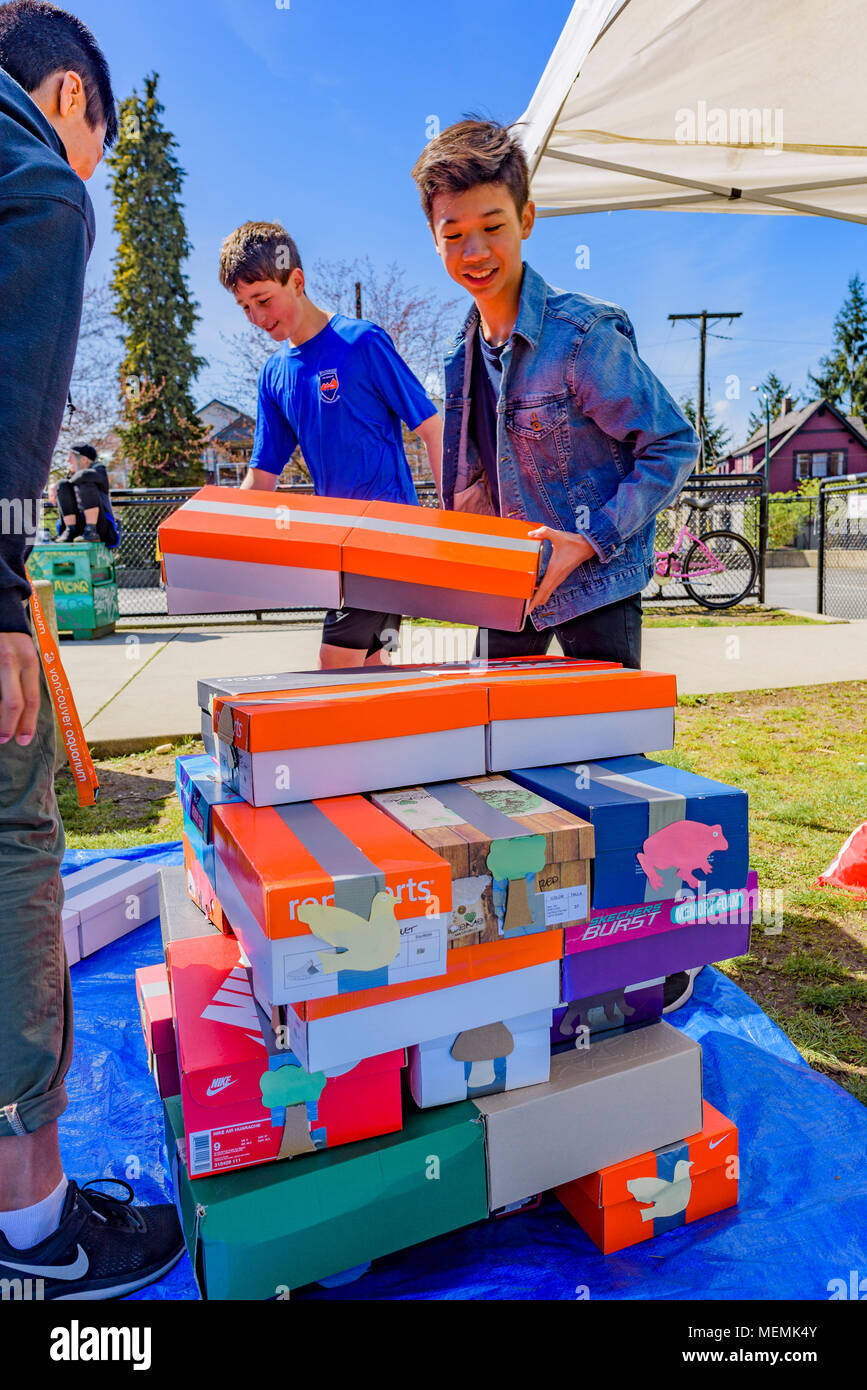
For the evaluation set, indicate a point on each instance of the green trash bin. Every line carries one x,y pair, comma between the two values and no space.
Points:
82,576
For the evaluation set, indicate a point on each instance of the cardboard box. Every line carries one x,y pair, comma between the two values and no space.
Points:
648,940
158,1027
105,900
629,1202
180,917
480,1061
330,897
641,1088
349,739
595,713
519,864
258,1233
428,563
515,978
229,550
658,828
200,888
582,1021
246,1101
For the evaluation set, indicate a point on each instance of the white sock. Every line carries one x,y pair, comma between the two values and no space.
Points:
29,1225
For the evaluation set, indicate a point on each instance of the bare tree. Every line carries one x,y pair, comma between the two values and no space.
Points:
94,391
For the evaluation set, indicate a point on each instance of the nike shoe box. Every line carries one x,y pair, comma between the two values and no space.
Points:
180,917
158,1027
649,940
258,1234
200,889
330,897
104,901
481,1061
659,1191
519,863
636,1089
581,1021
247,1100
482,985
230,550
658,829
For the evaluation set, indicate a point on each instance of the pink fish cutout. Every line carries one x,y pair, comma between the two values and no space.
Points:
683,846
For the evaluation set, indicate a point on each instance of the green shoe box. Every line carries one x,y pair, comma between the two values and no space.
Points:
255,1233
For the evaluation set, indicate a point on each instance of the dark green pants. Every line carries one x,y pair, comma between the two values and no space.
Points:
35,995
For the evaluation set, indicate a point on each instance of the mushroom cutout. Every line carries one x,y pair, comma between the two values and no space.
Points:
481,1047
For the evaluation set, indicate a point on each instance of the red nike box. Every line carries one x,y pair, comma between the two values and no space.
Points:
245,1100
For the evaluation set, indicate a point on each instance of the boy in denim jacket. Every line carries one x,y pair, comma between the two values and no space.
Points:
551,416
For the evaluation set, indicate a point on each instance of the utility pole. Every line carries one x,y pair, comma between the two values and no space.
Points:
358,299
702,319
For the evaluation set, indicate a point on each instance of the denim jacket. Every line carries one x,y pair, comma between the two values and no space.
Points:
588,440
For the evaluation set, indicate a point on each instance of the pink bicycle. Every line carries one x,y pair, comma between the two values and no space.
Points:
717,569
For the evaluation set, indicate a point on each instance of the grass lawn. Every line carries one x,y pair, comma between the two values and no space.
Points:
802,756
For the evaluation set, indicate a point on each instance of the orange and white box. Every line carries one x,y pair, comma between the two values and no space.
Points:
482,985
600,711
232,550
330,897
298,745
227,550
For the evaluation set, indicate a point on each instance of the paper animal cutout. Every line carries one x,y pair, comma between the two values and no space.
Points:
683,846
667,1198
363,945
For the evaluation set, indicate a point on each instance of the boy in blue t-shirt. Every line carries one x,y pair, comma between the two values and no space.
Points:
338,388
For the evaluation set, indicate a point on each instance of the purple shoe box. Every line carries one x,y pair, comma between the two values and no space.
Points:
679,945
598,1015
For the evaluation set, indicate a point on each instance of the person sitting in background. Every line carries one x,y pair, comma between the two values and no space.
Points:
84,500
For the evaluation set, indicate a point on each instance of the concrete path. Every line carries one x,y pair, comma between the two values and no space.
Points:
139,688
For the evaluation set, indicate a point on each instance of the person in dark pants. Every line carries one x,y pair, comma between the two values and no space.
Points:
84,500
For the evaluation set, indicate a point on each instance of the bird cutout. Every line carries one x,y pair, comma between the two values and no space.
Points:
666,1198
362,944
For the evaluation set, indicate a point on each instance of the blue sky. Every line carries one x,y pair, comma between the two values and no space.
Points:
313,113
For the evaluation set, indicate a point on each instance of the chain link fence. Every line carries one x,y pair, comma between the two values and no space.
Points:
842,560
736,504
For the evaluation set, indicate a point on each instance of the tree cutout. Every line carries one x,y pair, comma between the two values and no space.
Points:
512,863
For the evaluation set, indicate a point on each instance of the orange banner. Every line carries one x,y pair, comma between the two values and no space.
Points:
77,751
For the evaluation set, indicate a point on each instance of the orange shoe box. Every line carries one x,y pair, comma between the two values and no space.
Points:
655,1192
330,897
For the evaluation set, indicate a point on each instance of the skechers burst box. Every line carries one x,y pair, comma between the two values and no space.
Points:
519,863
649,940
657,827
229,550
330,897
659,1191
105,900
246,1102
265,1231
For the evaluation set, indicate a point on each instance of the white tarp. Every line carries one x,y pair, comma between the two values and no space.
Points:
705,106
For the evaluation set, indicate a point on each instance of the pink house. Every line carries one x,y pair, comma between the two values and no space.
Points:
815,441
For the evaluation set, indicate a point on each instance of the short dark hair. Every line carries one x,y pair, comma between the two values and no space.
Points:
469,153
38,40
258,251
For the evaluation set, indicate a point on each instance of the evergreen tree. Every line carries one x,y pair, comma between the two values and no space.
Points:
717,438
162,437
842,375
776,393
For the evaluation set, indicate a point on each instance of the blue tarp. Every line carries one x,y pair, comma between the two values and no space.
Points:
800,1223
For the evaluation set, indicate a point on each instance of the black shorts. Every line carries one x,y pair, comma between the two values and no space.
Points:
360,630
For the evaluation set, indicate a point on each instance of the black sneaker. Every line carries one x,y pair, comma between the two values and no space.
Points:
89,533
69,533
103,1248
678,988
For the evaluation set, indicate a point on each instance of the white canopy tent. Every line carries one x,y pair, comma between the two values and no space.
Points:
704,106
